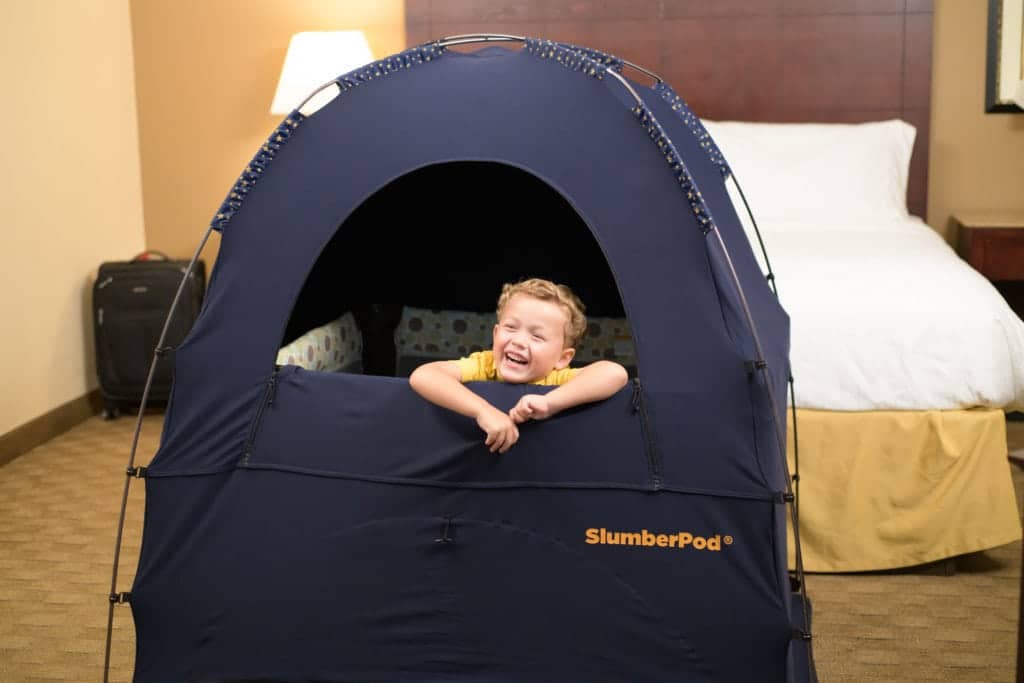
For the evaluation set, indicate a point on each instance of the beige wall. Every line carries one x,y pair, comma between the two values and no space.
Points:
70,191
977,159
206,73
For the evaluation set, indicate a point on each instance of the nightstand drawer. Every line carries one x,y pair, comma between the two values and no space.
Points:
996,253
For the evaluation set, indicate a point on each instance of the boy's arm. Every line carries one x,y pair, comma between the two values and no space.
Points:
594,382
440,382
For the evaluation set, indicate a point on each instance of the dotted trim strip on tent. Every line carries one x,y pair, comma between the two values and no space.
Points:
694,123
255,169
656,133
252,173
414,56
610,61
593,63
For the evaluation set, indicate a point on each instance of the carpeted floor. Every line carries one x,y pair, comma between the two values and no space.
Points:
58,515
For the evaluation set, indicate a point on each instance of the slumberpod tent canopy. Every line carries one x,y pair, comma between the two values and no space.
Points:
315,526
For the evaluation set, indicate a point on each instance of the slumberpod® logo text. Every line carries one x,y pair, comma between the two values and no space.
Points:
647,539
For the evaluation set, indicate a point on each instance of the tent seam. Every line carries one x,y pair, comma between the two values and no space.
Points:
406,481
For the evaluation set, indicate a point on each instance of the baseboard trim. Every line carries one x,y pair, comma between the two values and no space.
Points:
45,427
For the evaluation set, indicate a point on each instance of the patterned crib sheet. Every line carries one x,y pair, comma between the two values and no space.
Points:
431,334
607,338
442,334
332,347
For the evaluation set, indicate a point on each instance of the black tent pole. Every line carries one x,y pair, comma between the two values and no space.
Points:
131,471
780,438
792,390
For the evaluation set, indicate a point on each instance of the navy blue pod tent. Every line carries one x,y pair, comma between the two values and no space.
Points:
316,526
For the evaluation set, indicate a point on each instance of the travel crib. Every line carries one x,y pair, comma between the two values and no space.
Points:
311,525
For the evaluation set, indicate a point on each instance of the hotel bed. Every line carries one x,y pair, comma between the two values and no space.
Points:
903,357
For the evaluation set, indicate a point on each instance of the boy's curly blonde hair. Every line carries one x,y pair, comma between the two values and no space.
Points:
546,290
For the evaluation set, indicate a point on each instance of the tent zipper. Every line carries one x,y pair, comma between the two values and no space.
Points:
639,403
267,401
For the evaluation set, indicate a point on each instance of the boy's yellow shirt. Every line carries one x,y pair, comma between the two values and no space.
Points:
479,367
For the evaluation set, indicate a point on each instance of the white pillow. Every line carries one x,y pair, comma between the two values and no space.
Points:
827,173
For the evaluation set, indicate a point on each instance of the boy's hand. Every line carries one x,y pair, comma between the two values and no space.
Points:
531,407
500,429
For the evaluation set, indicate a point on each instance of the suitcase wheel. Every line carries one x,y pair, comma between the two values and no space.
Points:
111,411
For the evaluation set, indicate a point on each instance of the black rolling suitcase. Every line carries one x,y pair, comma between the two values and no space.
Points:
131,300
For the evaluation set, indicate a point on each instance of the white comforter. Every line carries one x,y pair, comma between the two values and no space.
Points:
889,317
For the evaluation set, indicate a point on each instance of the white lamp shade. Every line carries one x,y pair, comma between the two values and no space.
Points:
314,58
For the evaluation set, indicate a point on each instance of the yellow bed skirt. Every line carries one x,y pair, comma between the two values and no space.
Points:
887,489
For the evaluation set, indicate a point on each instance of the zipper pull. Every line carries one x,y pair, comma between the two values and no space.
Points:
635,399
752,366
272,389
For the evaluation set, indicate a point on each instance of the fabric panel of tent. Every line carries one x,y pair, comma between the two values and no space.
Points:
322,526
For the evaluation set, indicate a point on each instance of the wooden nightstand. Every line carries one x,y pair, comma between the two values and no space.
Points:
993,243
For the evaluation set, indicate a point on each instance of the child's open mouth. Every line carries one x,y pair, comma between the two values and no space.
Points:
518,360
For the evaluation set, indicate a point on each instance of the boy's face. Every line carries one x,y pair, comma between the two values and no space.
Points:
529,340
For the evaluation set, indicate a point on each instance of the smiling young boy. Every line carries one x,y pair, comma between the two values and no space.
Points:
539,325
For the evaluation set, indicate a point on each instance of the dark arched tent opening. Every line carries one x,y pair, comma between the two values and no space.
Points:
447,236
323,526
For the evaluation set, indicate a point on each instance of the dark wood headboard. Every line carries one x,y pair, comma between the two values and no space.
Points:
747,60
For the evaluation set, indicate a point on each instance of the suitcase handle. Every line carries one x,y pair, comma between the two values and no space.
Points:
149,254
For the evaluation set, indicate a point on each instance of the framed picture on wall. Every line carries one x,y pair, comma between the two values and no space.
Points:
1004,73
